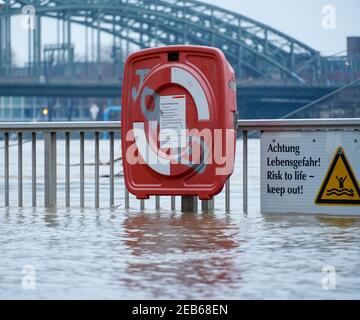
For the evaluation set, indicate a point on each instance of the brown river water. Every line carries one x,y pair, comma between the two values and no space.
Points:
132,254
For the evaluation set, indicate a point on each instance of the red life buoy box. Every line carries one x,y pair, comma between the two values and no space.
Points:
178,121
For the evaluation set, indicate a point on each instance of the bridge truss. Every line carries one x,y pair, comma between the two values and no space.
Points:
255,50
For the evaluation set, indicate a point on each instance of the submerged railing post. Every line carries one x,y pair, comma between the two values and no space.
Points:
208,205
82,170
20,169
33,171
227,196
67,169
245,171
6,164
50,173
173,203
112,183
127,199
97,170
157,202
189,204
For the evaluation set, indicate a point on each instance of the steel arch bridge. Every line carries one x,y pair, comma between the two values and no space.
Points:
255,50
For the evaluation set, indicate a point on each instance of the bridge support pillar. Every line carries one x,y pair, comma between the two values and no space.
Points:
5,40
37,46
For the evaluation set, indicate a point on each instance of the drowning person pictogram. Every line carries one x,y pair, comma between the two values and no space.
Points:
340,186
342,190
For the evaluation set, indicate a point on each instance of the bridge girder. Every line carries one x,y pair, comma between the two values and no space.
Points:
251,47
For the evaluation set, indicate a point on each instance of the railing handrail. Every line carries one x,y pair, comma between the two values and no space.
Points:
299,124
268,124
98,126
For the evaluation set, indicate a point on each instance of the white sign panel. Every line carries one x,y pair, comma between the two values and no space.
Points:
172,121
310,172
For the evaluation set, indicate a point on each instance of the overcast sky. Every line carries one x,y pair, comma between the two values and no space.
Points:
302,20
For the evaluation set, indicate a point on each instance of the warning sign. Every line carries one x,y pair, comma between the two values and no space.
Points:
310,172
340,185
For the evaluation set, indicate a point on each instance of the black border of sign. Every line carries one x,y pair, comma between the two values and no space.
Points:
339,153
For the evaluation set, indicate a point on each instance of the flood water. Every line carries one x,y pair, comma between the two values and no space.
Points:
134,254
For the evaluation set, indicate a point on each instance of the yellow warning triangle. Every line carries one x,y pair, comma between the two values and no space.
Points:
340,186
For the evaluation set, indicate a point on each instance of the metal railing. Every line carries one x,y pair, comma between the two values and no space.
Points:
51,130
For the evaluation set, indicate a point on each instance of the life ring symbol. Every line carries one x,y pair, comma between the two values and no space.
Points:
184,78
